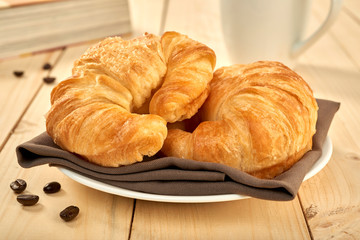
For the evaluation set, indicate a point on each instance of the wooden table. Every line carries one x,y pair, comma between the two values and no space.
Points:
327,205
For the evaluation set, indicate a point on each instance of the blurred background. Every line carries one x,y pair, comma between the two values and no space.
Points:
35,25
331,66
28,26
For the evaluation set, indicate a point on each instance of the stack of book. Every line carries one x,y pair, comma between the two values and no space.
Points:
28,26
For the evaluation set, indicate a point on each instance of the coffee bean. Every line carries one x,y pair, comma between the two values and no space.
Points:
52,187
47,66
69,213
27,199
18,73
49,79
18,185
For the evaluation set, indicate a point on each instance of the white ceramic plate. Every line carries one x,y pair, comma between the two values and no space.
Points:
320,164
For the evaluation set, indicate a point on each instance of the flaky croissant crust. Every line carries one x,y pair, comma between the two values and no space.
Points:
94,113
259,118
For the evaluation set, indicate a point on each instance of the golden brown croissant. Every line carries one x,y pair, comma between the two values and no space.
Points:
259,118
186,85
93,113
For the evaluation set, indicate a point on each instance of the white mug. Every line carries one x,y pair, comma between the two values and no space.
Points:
269,29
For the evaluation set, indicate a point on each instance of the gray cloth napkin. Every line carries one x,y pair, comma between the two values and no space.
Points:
183,177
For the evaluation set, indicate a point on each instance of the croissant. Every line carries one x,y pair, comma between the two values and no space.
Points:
96,112
259,118
180,96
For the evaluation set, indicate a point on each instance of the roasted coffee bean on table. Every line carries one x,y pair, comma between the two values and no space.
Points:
18,73
52,187
18,186
27,199
69,213
47,66
49,79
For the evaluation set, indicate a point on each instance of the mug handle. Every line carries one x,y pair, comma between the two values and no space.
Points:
301,46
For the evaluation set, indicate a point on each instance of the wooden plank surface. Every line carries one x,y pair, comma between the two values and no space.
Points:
241,219
331,199
99,212
221,220
352,8
346,30
327,205
17,92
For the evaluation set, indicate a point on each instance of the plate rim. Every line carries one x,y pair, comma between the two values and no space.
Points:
316,168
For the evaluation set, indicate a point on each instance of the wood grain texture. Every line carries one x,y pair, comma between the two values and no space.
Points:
346,30
327,206
220,220
352,7
331,199
112,215
17,92
243,219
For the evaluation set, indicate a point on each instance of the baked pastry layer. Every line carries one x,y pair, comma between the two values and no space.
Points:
96,112
259,118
